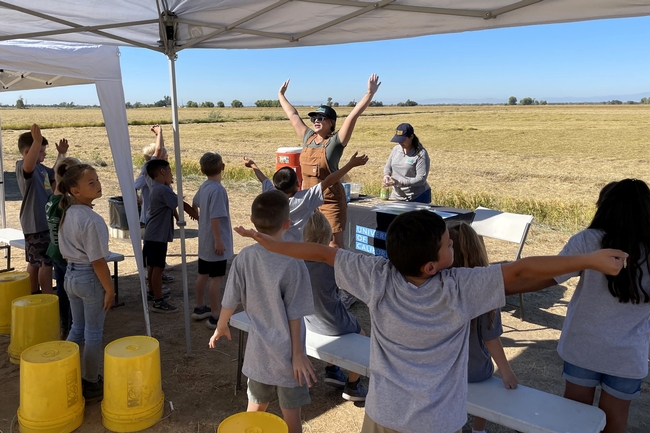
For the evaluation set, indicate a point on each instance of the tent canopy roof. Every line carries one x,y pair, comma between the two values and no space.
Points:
26,65
283,23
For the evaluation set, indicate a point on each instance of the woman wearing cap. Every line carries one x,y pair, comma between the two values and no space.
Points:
407,167
322,150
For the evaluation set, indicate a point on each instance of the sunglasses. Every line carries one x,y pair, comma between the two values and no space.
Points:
315,119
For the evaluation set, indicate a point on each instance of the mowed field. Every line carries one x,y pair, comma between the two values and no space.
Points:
547,160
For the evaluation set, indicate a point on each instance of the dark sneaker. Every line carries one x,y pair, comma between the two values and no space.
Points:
201,313
150,296
162,306
166,278
211,323
355,394
93,391
347,299
335,377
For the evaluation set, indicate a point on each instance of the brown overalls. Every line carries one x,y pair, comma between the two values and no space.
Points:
313,163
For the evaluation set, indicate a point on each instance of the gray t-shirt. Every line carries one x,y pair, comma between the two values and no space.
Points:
273,290
83,235
301,206
600,333
160,227
419,339
411,168
333,151
212,200
35,188
480,367
143,182
331,316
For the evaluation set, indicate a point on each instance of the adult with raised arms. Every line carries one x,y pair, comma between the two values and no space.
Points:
322,150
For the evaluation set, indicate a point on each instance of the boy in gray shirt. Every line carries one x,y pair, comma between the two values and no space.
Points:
421,312
276,294
35,182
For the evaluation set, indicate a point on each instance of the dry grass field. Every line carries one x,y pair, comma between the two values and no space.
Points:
548,160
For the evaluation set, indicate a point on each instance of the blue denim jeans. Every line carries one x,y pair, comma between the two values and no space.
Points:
64,303
86,296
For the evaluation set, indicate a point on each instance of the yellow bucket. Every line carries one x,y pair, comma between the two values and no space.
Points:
12,285
133,396
50,388
34,320
253,422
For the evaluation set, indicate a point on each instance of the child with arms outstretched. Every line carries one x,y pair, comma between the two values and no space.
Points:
484,342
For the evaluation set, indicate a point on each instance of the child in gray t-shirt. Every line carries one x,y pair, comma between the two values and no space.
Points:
421,312
484,342
302,203
276,294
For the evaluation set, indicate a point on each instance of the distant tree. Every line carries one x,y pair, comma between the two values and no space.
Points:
220,104
128,105
336,104
407,103
236,103
512,100
267,103
526,101
376,104
191,104
615,102
137,104
20,104
352,103
644,100
543,102
207,104
329,102
631,102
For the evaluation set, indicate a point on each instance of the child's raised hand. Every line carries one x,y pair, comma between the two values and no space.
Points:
62,146
358,160
248,162
155,129
302,368
509,379
218,333
373,84
284,87
36,134
609,261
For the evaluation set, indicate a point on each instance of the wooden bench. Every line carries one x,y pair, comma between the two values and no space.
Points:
15,238
524,409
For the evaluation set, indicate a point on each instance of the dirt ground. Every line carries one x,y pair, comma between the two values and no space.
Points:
201,385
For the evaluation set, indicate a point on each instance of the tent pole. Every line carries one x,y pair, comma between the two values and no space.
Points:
179,188
2,183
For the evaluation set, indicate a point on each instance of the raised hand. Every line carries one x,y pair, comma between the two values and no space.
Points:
155,129
283,88
62,146
358,160
373,84
248,162
37,137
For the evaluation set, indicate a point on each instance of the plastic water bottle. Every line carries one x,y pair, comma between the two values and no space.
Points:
385,193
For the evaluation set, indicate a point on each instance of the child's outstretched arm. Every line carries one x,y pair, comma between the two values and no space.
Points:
302,367
251,164
297,250
496,351
190,211
332,178
544,268
223,330
159,149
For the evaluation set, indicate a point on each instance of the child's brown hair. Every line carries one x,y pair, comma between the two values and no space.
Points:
25,141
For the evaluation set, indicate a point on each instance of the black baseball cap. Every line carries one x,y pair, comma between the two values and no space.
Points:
403,131
325,111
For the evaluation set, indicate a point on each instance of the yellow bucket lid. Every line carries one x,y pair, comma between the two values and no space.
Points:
253,422
30,300
51,351
7,277
132,347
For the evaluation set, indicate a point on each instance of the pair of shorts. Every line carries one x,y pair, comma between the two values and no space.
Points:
36,249
619,387
155,254
213,269
369,426
289,398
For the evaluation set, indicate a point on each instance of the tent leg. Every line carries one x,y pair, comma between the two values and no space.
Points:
179,189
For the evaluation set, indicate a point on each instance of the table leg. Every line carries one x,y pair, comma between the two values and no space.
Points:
117,303
240,360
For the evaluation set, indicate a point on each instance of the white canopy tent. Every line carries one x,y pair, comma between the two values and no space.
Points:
26,65
169,26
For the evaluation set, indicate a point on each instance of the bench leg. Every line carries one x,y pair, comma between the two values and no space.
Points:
117,303
240,360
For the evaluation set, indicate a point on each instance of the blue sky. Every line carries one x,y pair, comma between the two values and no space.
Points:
571,61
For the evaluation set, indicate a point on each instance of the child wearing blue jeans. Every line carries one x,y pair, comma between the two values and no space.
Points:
83,241
421,312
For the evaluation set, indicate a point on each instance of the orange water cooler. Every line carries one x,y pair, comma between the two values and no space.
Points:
289,157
